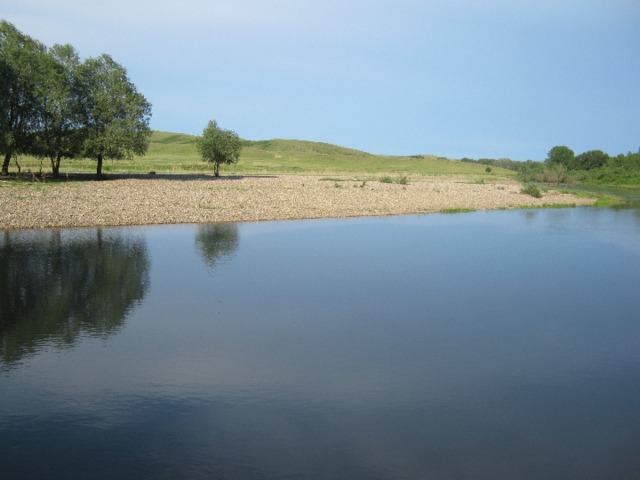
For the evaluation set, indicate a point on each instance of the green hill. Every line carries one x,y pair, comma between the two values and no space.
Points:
177,152
171,152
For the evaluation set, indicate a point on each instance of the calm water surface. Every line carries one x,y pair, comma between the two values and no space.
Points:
486,345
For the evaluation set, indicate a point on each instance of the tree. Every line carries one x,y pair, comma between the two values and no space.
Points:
21,70
60,133
561,155
219,146
591,159
116,115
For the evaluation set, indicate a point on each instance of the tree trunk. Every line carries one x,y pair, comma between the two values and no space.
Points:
5,165
99,166
55,167
216,169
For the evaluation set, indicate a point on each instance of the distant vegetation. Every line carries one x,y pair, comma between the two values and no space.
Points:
562,166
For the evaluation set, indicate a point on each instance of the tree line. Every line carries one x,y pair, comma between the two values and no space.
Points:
562,165
54,106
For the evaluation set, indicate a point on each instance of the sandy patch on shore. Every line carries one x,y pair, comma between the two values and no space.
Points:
199,199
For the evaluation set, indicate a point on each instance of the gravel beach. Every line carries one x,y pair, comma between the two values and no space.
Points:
167,199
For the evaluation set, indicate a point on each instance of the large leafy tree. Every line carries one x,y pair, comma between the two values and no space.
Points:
22,67
561,155
116,115
60,133
219,146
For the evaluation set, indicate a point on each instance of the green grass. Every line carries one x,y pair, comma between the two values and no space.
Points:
602,199
457,210
176,153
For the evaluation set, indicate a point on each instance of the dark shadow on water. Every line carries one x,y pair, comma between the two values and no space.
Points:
57,285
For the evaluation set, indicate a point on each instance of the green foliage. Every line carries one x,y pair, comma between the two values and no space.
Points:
532,190
116,114
561,155
619,170
21,69
52,106
60,135
553,174
219,146
591,160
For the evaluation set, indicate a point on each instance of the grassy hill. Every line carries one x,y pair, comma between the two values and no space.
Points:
177,153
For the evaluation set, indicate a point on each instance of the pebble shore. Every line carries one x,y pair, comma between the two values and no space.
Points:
173,199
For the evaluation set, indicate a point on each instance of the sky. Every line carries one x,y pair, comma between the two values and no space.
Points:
455,78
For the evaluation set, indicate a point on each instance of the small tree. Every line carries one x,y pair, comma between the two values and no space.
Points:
219,146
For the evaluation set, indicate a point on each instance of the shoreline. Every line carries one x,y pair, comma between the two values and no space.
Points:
123,200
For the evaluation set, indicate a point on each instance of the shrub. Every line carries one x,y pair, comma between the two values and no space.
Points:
533,191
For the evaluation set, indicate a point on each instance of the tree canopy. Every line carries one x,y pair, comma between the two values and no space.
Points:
116,115
52,105
561,155
219,146
60,132
21,71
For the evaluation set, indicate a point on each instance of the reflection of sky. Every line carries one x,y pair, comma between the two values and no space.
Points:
377,335
319,309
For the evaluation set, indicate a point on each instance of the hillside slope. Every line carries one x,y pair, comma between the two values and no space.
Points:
171,151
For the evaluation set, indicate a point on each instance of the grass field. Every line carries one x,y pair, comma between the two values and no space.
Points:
177,153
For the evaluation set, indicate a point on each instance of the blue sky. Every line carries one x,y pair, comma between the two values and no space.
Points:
484,78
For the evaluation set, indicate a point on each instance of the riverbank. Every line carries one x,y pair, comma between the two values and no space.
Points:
167,199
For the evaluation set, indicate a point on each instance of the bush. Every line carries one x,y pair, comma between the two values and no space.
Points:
403,180
533,191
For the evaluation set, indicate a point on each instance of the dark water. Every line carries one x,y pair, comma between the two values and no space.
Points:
485,345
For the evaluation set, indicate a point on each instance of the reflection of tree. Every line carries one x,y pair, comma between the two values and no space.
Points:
216,240
53,288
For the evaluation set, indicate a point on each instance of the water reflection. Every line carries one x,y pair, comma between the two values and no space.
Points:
216,240
56,288
486,346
